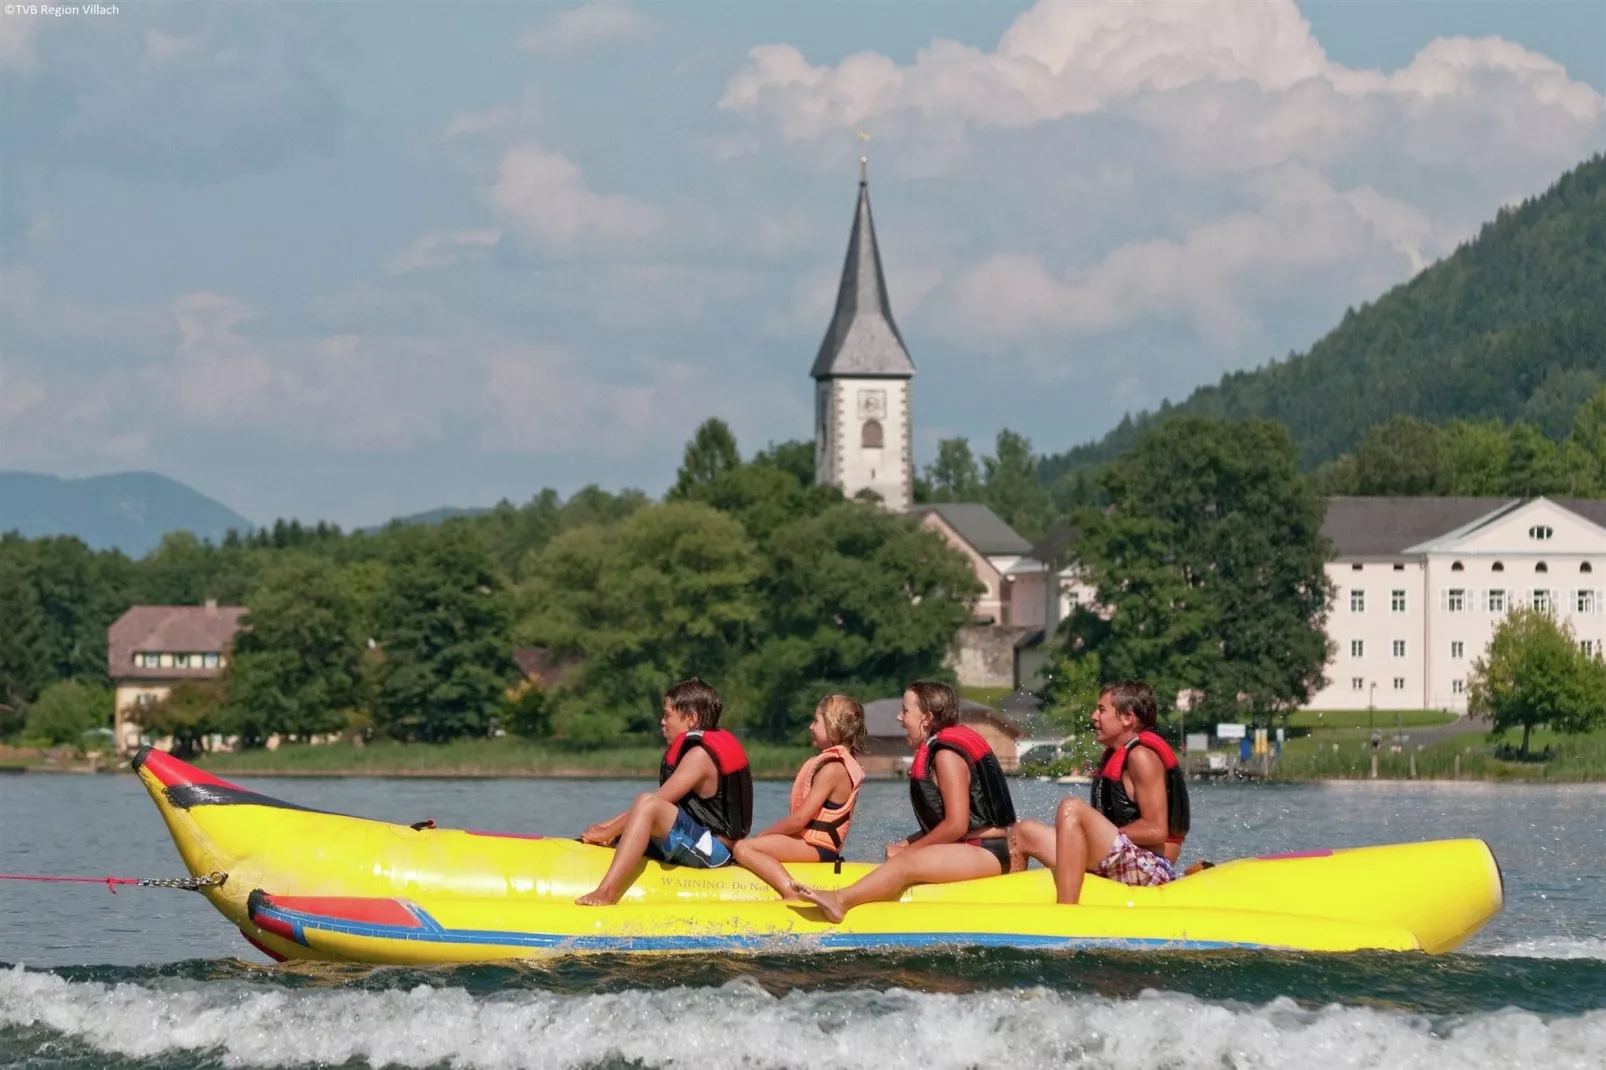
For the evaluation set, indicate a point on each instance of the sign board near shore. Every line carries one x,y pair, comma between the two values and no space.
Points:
1230,731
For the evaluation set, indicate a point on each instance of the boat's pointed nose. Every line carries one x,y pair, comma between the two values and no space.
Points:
167,771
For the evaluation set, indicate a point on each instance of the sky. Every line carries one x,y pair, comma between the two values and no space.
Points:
353,261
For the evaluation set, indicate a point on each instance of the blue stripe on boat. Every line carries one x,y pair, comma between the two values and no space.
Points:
434,933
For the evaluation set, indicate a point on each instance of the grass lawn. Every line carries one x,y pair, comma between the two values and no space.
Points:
480,757
1347,755
1362,718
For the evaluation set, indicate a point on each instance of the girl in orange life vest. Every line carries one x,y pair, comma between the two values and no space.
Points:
960,799
1132,832
823,796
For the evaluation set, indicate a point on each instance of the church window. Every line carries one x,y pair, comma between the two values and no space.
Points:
871,435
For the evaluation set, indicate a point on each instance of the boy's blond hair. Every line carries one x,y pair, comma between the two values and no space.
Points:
844,722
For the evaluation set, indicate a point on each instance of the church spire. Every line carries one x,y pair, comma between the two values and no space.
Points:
863,340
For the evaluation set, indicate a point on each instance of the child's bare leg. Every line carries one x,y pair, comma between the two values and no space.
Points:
933,865
762,856
649,816
1083,836
1029,840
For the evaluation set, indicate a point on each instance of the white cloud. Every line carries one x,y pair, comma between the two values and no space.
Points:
18,41
1186,163
1063,59
437,250
163,48
521,116
545,195
601,22
1211,277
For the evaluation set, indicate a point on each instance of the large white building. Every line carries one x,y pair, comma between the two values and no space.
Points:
1421,583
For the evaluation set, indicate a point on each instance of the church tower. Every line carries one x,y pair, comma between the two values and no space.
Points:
861,379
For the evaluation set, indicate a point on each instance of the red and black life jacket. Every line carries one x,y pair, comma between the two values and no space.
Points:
1110,797
990,804
729,811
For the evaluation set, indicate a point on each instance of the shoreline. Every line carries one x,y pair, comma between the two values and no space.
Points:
121,769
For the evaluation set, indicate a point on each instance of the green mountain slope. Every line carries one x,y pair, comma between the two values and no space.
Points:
127,511
1512,325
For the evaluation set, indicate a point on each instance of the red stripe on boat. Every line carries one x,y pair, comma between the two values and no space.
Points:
281,929
172,772
370,911
260,946
506,835
1325,853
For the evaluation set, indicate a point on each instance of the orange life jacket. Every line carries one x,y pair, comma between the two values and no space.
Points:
828,833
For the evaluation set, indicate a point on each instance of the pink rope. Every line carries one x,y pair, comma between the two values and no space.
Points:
109,882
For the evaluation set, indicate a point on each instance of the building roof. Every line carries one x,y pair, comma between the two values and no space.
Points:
1591,509
881,717
979,526
1390,527
207,629
863,340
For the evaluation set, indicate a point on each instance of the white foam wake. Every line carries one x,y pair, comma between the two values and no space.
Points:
740,1025
1554,947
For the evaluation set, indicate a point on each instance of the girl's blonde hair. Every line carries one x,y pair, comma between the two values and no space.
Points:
844,722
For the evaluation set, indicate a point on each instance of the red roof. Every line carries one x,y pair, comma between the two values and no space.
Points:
207,629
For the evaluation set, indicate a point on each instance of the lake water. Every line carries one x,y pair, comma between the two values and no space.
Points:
155,978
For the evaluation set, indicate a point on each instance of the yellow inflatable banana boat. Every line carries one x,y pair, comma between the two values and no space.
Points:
305,884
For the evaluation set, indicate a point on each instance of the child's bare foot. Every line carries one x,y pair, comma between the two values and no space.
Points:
826,901
601,897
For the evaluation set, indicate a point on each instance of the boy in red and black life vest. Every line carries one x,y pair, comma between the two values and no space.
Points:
704,801
961,803
1132,830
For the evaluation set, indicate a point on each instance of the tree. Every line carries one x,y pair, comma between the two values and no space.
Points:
663,596
189,714
1010,486
1404,456
1588,438
795,456
295,669
710,453
954,476
25,640
854,599
1209,567
66,710
1476,452
1535,674
446,638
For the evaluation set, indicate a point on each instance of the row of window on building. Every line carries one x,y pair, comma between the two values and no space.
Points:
1490,600
1458,648
144,660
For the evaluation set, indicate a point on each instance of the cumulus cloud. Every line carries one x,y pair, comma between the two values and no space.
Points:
163,48
18,41
545,195
521,116
601,22
438,250
1250,164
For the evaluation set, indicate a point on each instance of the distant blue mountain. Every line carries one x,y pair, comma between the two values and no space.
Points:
127,511
432,516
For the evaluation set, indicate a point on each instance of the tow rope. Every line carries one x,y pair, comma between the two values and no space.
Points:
188,884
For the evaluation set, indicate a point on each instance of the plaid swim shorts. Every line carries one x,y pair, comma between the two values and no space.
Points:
1127,863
